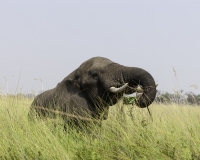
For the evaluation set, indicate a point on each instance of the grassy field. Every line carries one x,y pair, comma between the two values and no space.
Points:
129,133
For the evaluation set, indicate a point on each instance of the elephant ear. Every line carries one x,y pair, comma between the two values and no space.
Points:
72,80
71,88
73,95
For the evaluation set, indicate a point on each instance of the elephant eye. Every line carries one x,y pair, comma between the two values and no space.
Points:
94,75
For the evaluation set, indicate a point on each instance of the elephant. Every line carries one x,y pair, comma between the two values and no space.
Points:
93,87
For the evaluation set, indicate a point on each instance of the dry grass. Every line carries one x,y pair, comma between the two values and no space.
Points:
129,133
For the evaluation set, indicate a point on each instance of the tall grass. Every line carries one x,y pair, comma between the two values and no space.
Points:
128,133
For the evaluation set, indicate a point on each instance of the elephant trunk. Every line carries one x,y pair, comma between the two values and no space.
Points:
138,80
137,76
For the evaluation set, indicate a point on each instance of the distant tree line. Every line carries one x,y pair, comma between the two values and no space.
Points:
178,97
19,95
161,97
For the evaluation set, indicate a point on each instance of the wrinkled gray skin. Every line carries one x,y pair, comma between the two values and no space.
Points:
85,92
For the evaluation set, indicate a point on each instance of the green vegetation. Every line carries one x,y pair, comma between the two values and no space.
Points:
129,133
178,97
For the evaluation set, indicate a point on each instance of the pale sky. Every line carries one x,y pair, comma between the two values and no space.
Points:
49,39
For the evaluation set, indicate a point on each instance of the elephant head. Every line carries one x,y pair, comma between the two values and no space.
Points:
95,85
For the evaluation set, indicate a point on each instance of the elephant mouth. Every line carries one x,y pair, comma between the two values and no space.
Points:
132,94
128,92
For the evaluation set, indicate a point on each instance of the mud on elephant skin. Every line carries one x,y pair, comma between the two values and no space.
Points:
94,86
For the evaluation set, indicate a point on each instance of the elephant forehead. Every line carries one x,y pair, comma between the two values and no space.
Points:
95,63
100,65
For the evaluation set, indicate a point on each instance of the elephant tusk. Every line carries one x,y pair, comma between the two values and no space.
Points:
117,90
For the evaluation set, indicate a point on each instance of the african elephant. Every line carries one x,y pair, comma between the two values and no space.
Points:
94,86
